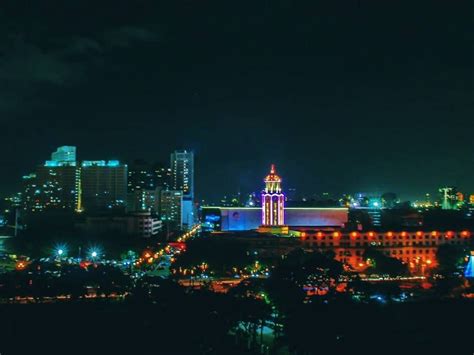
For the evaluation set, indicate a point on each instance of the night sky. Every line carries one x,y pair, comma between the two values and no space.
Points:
347,97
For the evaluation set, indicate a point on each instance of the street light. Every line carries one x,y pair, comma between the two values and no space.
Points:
60,250
94,253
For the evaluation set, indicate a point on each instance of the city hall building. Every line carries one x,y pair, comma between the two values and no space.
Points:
273,216
321,229
228,219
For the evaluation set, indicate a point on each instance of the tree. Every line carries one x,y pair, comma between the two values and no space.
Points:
383,264
451,258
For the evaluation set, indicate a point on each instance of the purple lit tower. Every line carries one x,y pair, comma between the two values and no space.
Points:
273,205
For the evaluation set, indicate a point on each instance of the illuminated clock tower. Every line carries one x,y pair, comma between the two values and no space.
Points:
273,205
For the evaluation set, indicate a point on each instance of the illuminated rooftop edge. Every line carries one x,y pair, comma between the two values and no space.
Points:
286,208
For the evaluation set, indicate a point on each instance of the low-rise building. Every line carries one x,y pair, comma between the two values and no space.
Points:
140,224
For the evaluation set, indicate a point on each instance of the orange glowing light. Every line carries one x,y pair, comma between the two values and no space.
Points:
449,234
20,265
419,233
303,234
320,234
465,233
390,234
371,234
354,234
428,262
404,234
336,234
434,233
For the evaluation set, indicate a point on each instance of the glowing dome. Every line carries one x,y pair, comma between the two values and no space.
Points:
272,177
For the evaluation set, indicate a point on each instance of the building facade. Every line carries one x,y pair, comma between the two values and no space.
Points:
171,208
182,179
142,224
64,154
182,172
53,186
103,185
415,248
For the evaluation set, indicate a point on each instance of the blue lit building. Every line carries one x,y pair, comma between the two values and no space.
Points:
64,154
273,216
249,218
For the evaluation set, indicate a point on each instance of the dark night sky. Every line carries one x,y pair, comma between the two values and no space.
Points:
352,96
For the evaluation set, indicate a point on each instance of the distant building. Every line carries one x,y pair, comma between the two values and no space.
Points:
182,179
142,224
163,176
103,185
64,154
273,216
141,176
59,185
55,184
416,248
144,200
249,218
171,208
449,198
182,172
189,215
145,183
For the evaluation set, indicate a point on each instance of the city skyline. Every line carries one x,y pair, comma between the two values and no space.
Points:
252,177
247,187
368,96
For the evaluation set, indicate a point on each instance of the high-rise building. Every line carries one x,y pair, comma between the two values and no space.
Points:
55,184
182,172
141,176
163,176
144,200
103,185
64,154
182,179
172,207
145,183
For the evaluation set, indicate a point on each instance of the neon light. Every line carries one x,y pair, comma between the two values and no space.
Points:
272,200
286,208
